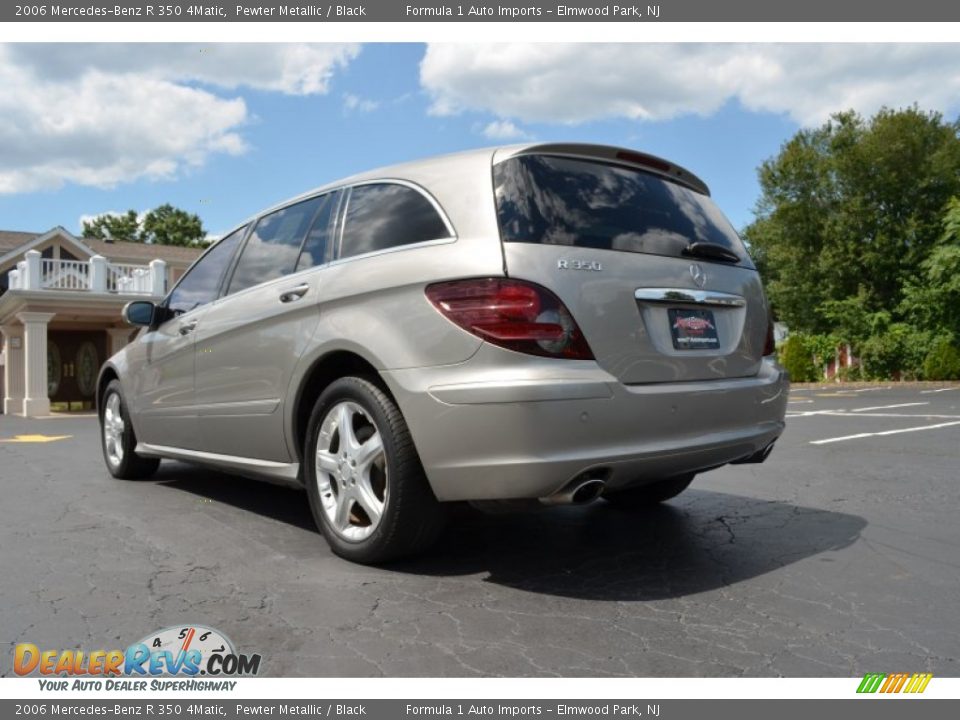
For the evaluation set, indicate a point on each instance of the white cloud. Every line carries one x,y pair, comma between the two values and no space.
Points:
572,83
100,115
503,130
356,103
291,68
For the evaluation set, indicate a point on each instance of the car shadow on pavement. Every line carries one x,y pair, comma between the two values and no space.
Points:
284,504
698,542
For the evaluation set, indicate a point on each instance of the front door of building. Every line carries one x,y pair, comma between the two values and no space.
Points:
73,361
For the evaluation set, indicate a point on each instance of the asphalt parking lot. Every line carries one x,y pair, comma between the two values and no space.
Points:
837,557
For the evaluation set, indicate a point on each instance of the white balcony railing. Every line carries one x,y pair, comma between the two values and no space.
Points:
64,274
96,275
126,279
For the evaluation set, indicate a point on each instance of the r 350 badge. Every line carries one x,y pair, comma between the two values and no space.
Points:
593,265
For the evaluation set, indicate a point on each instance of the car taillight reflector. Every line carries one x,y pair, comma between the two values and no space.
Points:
513,314
770,346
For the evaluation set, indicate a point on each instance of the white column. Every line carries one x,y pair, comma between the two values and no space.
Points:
35,400
13,369
98,274
119,338
158,278
31,279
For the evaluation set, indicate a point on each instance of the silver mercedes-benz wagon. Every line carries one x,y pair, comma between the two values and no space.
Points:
552,322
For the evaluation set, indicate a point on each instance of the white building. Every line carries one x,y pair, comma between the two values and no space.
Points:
60,303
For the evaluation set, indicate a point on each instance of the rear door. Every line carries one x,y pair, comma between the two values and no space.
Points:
251,339
653,273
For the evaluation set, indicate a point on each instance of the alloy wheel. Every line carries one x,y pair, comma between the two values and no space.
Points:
351,471
113,427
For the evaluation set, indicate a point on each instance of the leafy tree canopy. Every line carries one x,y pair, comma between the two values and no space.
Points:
850,229
114,227
165,225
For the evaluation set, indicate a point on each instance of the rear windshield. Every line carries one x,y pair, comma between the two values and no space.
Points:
566,201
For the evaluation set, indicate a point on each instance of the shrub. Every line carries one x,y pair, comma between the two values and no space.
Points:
797,358
896,354
850,374
823,348
942,362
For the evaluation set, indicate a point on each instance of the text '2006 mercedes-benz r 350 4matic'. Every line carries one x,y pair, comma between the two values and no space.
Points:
557,322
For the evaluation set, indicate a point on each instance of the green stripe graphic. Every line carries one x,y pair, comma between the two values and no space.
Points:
871,682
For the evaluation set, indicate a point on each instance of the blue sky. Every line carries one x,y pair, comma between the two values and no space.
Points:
224,131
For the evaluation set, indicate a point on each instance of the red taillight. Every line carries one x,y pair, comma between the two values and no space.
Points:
513,314
770,346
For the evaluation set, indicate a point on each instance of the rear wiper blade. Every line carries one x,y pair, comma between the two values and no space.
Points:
711,251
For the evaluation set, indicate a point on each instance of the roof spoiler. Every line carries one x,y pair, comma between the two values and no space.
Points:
609,153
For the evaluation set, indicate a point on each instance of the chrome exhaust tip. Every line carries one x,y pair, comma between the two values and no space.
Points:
757,457
580,491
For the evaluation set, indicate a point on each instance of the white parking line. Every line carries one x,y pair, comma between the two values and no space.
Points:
844,413
927,392
885,432
890,407
799,401
900,415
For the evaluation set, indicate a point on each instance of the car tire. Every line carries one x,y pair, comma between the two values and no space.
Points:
651,493
369,496
118,440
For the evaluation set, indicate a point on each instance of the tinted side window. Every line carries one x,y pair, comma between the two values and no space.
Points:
318,239
273,246
386,215
200,285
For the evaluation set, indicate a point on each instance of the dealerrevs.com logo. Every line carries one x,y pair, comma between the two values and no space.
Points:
180,651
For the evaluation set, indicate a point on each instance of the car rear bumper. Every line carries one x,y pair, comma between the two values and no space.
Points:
488,431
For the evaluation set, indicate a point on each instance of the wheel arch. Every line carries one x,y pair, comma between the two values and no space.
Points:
108,373
325,369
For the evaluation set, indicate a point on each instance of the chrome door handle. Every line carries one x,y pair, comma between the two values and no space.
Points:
188,327
294,293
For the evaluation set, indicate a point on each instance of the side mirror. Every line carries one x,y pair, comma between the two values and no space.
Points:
139,312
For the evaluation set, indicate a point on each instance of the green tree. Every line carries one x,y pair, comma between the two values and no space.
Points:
164,225
167,225
850,214
114,227
932,299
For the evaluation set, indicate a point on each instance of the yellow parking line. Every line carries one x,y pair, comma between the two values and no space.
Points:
34,438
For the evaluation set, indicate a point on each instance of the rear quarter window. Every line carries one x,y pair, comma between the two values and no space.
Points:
381,216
